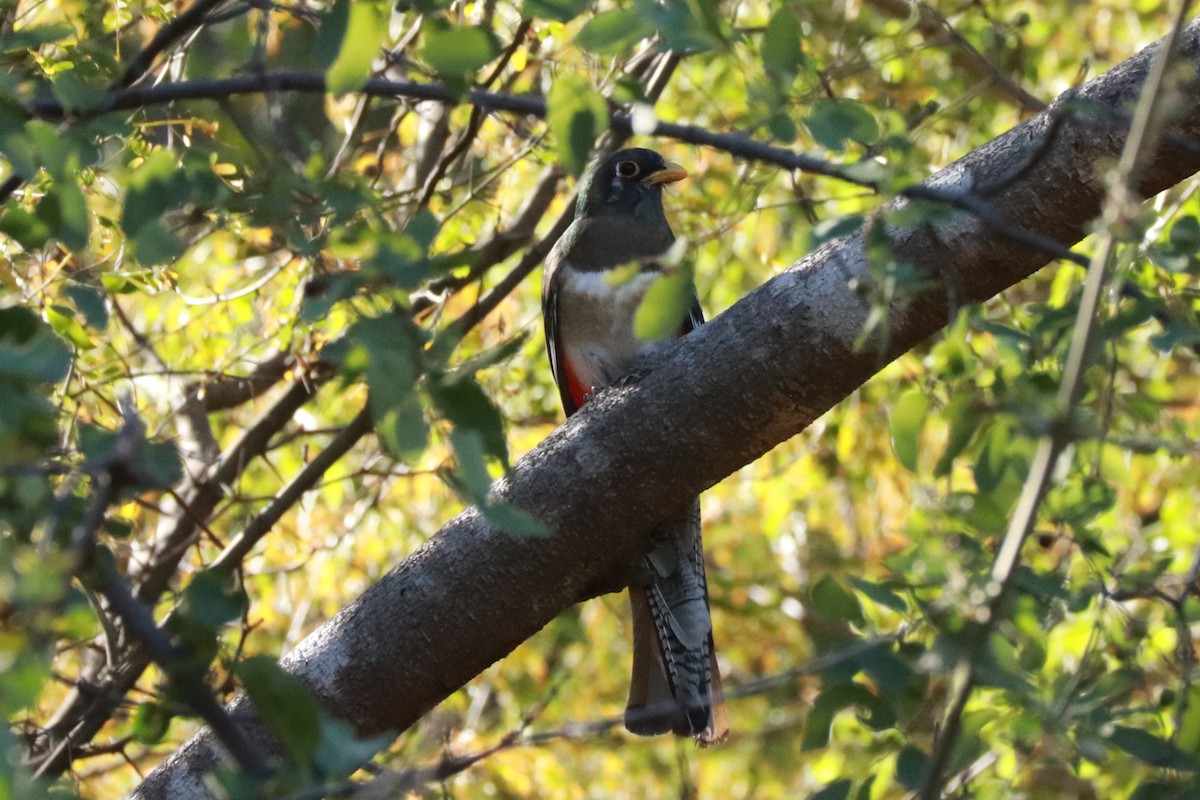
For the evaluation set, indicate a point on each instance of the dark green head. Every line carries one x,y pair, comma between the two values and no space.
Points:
628,182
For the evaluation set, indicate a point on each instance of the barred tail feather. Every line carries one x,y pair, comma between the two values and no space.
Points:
675,684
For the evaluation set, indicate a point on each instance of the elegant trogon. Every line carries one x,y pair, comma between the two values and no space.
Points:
596,277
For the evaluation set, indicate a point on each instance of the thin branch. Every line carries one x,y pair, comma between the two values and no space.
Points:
535,105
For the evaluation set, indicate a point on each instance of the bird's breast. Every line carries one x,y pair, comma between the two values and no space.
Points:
595,313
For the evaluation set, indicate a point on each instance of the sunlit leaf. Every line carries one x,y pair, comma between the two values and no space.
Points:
365,30
1187,738
151,721
664,307
576,115
458,51
905,424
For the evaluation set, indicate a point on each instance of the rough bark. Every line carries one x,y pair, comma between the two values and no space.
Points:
728,393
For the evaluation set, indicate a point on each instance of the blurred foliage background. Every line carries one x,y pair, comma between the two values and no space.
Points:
176,280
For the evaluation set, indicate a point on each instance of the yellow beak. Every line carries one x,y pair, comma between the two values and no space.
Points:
669,174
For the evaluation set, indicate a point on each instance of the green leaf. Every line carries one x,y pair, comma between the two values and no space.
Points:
33,38
62,320
905,424
1187,738
286,705
154,186
1163,790
835,602
29,230
838,790
679,23
911,764
458,52
29,350
1151,749
388,347
1185,234
466,405
475,482
890,673
576,115
494,355
331,33
664,307
150,723
474,479
834,121
423,228
517,521
833,699
964,421
992,462
782,52
76,95
365,30
710,19
612,32
561,10
91,303
341,751
159,465
880,594
214,598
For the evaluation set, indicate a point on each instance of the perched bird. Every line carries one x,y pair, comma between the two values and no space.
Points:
595,279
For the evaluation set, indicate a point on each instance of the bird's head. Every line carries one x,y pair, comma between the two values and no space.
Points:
628,182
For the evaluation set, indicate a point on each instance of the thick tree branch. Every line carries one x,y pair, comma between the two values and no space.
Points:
752,378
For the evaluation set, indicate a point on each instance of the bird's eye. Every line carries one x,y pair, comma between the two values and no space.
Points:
628,169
